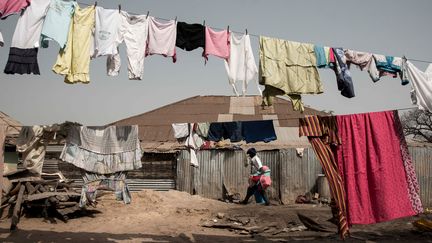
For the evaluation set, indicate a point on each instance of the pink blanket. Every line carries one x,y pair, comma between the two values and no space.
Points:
371,165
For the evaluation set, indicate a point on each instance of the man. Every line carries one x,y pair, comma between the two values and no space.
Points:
255,179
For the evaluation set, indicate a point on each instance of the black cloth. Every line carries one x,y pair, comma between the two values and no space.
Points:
190,36
225,130
258,131
22,61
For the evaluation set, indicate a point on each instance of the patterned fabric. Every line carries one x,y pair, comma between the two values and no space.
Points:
105,140
322,134
94,182
371,165
413,186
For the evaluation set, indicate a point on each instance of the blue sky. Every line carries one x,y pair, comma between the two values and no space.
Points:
387,27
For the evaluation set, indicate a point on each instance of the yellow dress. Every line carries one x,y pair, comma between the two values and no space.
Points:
74,60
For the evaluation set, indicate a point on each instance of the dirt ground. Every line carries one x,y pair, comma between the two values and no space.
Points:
175,216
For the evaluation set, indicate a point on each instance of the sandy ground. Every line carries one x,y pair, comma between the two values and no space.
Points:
178,217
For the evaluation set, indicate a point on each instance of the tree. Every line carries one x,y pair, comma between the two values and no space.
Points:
418,124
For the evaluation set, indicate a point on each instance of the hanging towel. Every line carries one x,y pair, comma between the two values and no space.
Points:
10,7
217,43
241,65
190,36
181,130
203,129
321,57
162,38
372,168
25,41
258,131
57,22
422,86
74,60
225,130
343,75
133,30
106,30
288,68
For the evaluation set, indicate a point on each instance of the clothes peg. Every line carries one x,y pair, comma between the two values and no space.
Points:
175,19
246,32
148,12
228,29
119,8
204,22
95,3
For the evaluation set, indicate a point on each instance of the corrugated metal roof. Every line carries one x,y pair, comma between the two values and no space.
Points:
156,133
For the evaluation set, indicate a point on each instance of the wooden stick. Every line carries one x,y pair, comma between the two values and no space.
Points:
17,208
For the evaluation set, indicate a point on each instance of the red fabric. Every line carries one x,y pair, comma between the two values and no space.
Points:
370,162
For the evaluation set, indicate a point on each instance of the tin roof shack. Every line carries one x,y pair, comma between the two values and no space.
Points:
222,173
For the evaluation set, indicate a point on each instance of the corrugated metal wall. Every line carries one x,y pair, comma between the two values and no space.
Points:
422,159
291,175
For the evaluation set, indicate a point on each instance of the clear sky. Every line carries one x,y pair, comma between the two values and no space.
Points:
390,27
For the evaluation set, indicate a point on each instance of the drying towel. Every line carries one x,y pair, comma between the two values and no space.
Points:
258,131
162,38
370,162
217,43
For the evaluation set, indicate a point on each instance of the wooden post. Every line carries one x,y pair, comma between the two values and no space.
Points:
17,209
3,130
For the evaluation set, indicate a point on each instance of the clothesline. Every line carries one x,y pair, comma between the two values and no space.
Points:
239,32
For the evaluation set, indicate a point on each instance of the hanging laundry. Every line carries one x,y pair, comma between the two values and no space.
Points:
321,56
190,36
94,182
225,130
322,135
421,94
57,22
288,68
203,129
106,30
25,41
241,64
217,43
389,66
133,31
74,60
181,130
103,150
364,61
371,164
10,7
258,131
29,143
410,174
343,75
162,38
1,40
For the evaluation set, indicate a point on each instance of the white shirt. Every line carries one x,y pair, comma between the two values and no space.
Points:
241,64
29,26
256,164
106,29
422,86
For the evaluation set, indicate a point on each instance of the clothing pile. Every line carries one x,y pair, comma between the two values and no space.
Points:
104,154
370,184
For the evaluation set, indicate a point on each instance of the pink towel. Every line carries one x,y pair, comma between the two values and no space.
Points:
9,7
217,43
371,165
